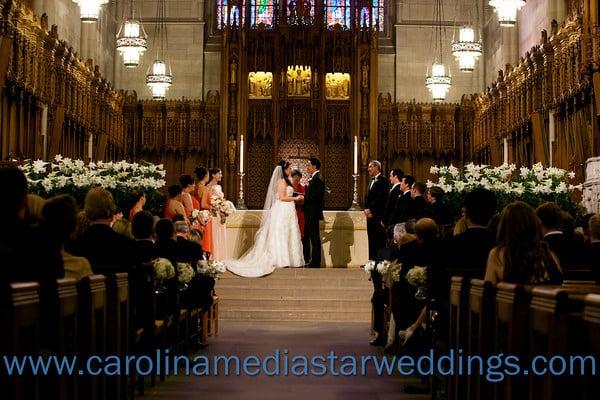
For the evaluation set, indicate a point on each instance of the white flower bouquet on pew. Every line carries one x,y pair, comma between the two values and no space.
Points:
392,274
211,268
369,266
163,271
417,276
186,273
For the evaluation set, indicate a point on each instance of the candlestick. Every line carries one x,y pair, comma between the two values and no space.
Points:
355,206
242,154
240,201
355,155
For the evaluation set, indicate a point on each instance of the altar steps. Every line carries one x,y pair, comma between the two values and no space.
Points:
325,294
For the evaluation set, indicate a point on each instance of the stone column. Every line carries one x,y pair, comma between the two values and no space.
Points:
200,7
38,7
89,40
591,187
510,44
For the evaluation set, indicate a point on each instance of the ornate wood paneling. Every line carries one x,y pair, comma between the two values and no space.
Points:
43,72
181,134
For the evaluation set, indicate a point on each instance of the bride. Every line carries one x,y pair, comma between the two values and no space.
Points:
277,243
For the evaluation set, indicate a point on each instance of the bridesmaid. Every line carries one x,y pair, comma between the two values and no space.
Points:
218,229
202,195
173,206
187,188
300,189
139,201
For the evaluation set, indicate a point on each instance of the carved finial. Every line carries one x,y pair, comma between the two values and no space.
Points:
544,38
554,26
54,31
44,21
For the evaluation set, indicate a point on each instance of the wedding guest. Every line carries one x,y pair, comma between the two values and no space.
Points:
585,227
59,216
34,208
522,256
300,189
106,250
123,227
377,192
174,206
552,218
593,250
219,233
203,194
468,251
187,188
83,223
26,253
175,249
142,228
139,201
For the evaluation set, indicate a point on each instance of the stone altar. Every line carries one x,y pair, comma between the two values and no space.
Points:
343,236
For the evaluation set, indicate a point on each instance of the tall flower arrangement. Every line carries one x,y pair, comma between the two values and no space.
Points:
75,177
531,185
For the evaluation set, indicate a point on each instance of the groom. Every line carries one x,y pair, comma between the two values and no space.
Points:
314,201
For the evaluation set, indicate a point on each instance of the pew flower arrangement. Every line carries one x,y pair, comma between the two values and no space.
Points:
417,276
211,268
163,270
392,274
383,266
369,266
186,273
75,177
531,185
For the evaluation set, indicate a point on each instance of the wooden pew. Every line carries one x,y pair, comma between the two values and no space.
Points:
117,328
92,331
512,326
457,337
481,335
591,318
21,336
60,327
556,328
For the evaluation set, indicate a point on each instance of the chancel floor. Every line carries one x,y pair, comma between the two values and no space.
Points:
247,338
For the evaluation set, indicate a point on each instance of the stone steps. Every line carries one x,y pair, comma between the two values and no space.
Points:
297,294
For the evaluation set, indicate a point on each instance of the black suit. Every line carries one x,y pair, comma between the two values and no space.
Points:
593,259
375,201
390,205
402,203
568,250
106,250
468,252
415,208
314,203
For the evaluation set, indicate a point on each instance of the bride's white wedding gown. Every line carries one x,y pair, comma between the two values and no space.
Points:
277,243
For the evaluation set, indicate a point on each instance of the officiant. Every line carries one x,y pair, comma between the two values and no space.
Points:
299,189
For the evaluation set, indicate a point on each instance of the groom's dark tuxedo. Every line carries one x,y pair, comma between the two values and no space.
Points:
314,202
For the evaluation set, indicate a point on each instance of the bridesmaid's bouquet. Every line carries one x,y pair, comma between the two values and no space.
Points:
200,217
221,208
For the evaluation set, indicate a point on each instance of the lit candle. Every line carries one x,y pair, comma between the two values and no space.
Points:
355,155
242,154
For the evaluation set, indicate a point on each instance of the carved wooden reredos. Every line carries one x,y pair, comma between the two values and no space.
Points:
295,89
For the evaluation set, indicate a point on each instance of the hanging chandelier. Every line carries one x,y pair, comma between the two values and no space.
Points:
466,49
439,80
131,39
89,9
159,77
507,11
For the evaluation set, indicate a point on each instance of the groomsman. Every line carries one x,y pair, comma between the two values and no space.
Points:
390,204
377,193
402,209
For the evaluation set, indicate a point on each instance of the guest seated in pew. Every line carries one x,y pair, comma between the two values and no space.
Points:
34,209
123,227
175,249
107,250
142,228
584,228
522,256
59,219
27,255
427,250
593,249
468,251
565,246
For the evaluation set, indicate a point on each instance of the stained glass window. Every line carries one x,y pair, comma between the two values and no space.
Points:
338,12
363,15
261,12
236,14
